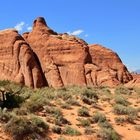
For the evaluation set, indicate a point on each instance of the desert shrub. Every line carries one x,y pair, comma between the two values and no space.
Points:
73,102
121,100
88,131
98,117
105,124
4,83
66,106
105,94
21,127
131,118
87,100
64,94
20,111
122,90
137,127
71,131
56,129
120,120
123,110
105,90
83,112
60,120
108,134
84,122
36,102
53,111
5,116
90,93
76,90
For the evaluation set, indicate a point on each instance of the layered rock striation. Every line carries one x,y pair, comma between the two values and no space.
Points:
43,57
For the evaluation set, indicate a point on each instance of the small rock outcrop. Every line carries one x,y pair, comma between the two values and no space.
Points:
135,82
44,57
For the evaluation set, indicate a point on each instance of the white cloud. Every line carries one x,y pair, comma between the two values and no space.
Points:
29,28
76,32
20,26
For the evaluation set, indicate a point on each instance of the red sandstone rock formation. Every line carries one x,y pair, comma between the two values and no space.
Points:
62,57
58,59
135,82
107,68
17,61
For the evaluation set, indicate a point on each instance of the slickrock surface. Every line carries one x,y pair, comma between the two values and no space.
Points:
57,59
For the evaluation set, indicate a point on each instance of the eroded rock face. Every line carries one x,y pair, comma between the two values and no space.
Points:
106,68
17,60
62,57
135,82
57,59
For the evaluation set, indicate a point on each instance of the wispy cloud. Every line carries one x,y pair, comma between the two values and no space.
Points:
76,32
20,26
29,28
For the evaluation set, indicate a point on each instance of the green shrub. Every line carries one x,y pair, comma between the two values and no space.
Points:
131,118
87,100
108,134
4,83
98,117
60,120
5,116
121,100
122,90
105,124
83,112
66,106
20,111
53,111
123,110
88,131
105,94
90,93
56,129
84,122
64,94
73,102
120,120
21,127
71,131
36,102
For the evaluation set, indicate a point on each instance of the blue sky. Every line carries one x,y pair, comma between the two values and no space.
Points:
113,23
